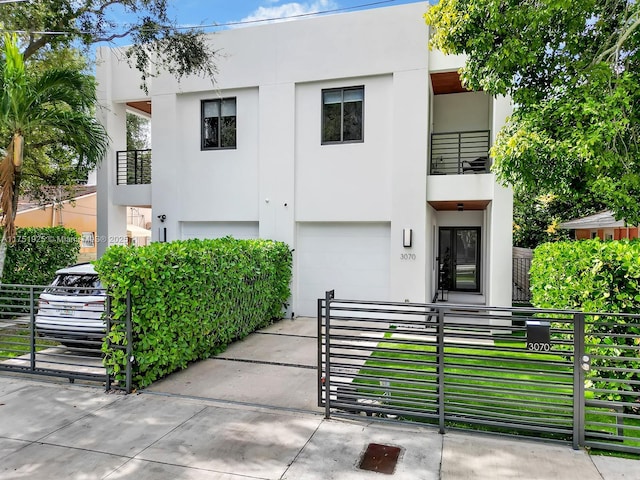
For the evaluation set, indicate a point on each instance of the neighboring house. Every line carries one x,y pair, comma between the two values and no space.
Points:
341,135
77,210
601,225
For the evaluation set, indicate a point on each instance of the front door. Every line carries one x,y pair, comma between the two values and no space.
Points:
459,258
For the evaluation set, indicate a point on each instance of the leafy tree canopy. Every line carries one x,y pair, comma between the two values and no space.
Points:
157,42
47,122
537,218
572,70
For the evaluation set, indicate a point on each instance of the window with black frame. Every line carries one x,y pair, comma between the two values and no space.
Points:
342,115
218,124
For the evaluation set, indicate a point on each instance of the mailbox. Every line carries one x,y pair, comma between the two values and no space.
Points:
538,336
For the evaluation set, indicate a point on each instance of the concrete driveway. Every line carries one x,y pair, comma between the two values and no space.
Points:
274,367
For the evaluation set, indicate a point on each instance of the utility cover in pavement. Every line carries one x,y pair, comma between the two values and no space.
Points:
380,458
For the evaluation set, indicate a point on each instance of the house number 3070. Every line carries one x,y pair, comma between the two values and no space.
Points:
407,256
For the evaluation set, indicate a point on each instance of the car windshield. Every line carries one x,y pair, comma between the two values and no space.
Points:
75,284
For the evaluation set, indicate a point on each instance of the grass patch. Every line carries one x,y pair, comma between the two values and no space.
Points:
15,341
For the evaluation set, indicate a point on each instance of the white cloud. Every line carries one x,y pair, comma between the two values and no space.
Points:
289,10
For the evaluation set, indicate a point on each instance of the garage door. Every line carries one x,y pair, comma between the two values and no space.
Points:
350,258
242,230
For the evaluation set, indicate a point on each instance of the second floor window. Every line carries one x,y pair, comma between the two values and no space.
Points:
218,124
342,115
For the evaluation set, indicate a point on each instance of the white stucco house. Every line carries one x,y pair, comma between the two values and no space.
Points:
342,135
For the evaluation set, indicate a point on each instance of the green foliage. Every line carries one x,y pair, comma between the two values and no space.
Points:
138,132
536,218
572,69
157,43
191,298
38,253
596,276
589,275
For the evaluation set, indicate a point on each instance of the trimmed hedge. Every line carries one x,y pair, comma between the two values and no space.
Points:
596,276
589,275
38,252
191,298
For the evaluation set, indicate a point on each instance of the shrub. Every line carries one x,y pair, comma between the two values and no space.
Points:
191,298
38,252
595,276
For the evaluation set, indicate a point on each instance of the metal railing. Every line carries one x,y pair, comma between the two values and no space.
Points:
133,167
44,336
456,153
514,371
612,387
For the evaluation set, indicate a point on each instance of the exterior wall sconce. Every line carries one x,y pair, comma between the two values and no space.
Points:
460,207
407,237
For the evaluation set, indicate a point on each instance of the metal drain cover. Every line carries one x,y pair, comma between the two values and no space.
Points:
380,458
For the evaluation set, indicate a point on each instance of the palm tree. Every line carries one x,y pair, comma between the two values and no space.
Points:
58,100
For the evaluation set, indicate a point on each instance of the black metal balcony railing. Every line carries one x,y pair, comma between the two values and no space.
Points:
455,153
133,167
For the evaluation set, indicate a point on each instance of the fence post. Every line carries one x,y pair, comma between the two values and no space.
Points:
32,329
328,296
578,381
319,316
440,350
107,320
129,344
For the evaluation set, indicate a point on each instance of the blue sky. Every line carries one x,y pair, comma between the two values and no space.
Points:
219,12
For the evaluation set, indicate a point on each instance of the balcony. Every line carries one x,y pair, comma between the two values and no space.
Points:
459,153
133,167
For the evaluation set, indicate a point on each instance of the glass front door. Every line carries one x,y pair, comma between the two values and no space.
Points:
459,258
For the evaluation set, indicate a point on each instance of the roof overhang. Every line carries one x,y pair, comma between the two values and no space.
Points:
143,106
447,82
598,220
461,205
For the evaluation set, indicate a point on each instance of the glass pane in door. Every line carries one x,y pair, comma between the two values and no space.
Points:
466,259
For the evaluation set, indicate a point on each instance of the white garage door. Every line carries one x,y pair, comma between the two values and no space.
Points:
242,230
350,258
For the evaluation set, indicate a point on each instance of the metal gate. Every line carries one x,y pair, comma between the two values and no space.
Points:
38,337
557,375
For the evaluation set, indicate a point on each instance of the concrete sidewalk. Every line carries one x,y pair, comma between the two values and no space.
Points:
55,430
250,413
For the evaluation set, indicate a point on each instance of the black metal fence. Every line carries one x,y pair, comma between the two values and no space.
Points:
133,167
514,371
454,153
59,334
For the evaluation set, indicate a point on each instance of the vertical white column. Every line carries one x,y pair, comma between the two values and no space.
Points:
409,130
112,219
276,166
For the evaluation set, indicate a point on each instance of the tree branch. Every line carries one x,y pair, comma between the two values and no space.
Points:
609,52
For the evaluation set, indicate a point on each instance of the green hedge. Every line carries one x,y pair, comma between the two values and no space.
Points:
38,252
589,275
191,298
596,276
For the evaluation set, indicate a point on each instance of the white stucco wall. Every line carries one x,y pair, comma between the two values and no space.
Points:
461,112
280,177
344,182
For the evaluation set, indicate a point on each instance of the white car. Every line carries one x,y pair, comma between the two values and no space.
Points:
73,305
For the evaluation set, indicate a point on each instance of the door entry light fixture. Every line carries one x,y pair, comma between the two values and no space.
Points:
407,237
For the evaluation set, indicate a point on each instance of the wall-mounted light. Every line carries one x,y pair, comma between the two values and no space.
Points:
407,237
460,207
